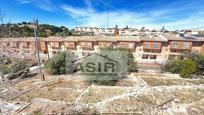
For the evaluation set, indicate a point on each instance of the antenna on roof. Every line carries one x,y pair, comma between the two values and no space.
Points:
163,28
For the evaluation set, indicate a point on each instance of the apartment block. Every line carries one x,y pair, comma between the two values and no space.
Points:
146,48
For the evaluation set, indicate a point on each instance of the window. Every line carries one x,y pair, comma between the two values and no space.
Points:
147,45
43,44
172,57
131,45
123,45
175,45
153,57
24,44
52,44
186,45
14,44
56,44
82,43
197,43
144,56
71,44
156,45
85,53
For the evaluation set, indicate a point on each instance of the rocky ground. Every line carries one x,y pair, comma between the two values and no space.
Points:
141,93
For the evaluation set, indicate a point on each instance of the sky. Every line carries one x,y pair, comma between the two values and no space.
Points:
173,14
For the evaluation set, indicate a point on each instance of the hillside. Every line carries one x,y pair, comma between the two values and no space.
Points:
25,29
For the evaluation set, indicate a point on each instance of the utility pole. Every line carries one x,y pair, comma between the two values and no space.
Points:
37,49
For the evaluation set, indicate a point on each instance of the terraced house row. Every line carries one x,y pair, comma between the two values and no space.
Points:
145,48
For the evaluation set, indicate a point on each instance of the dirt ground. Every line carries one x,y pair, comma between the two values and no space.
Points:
138,93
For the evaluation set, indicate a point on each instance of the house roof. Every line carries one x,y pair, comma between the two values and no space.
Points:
178,37
152,38
94,38
161,38
18,39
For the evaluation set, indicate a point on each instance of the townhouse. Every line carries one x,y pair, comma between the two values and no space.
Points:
146,48
22,48
85,45
153,49
178,44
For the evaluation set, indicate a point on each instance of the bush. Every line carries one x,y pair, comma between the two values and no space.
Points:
18,66
123,56
200,65
173,66
14,68
57,64
186,68
199,59
8,65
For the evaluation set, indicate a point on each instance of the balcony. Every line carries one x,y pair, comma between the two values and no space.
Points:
181,45
153,47
104,44
70,45
55,44
128,45
86,45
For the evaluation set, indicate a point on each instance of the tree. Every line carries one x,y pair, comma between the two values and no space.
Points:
57,65
24,30
173,66
24,23
200,65
121,61
188,68
123,55
199,59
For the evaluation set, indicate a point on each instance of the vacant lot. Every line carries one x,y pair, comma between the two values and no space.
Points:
140,94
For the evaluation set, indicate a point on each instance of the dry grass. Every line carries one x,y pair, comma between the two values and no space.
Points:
146,103
44,106
196,108
97,94
125,83
68,90
168,82
26,84
71,84
55,94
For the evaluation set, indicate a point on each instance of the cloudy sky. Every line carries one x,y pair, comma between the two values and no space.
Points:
173,14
